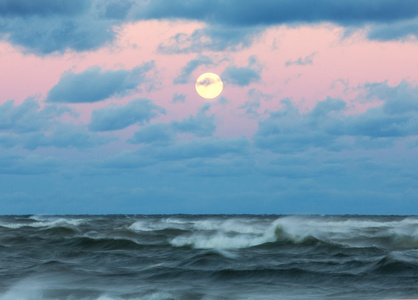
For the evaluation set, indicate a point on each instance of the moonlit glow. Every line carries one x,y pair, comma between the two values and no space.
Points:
209,85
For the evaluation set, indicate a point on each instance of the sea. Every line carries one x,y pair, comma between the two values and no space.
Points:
156,257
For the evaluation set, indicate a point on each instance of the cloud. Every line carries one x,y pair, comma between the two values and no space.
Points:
28,117
287,130
95,84
43,7
204,148
31,164
43,27
213,38
137,111
302,61
229,25
251,107
402,30
402,98
253,103
192,65
276,12
179,98
222,101
243,76
327,126
200,125
29,126
157,134
65,135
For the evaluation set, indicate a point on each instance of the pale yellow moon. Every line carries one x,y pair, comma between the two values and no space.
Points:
209,85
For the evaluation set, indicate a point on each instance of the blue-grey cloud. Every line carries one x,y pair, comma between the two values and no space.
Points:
199,125
157,134
302,61
222,101
65,135
42,34
328,127
213,37
43,7
226,19
287,130
208,147
95,84
251,107
28,126
179,98
402,98
255,94
273,12
192,65
32,164
402,30
243,76
44,27
137,111
28,117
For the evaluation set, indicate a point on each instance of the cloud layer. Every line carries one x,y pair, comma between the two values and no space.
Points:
44,27
95,84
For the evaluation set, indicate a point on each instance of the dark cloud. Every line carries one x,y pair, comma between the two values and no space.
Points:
45,26
137,111
275,12
117,9
243,76
192,65
403,30
95,84
302,61
43,7
231,25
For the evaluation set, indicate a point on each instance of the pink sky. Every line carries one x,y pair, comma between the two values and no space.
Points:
339,67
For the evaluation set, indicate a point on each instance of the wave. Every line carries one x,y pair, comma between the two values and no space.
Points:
231,234
47,223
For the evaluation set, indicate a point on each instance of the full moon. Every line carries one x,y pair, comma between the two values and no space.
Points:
209,85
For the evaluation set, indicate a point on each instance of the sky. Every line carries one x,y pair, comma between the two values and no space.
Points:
99,112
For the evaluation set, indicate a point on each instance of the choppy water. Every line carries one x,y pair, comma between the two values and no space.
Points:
208,257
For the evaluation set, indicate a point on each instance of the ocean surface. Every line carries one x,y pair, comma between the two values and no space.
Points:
208,257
